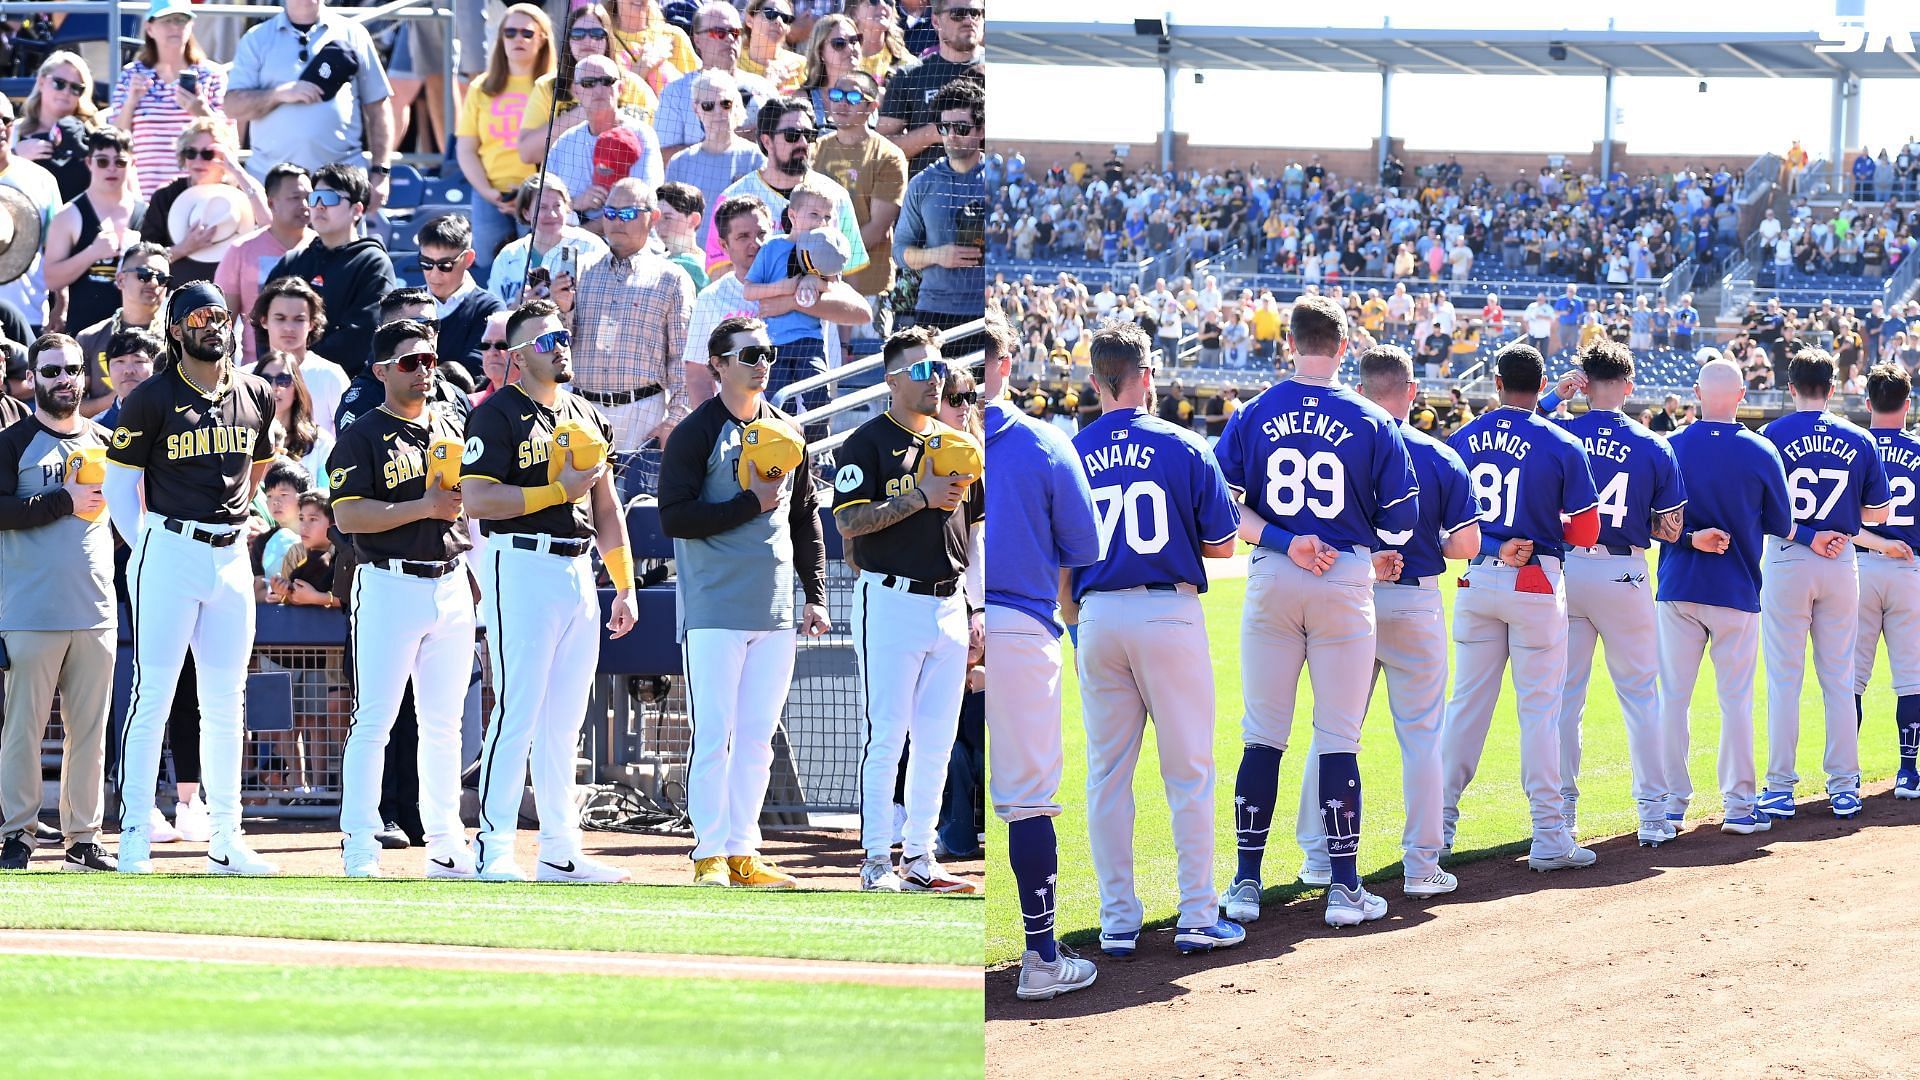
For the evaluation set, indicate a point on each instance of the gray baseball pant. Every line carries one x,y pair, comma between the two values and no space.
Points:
1609,597
1687,631
1889,606
1804,594
1144,654
1292,618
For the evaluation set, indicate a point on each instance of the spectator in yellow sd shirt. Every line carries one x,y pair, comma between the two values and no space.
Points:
1373,314
1266,327
487,139
645,43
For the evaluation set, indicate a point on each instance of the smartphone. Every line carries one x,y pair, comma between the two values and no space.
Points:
539,283
567,261
190,82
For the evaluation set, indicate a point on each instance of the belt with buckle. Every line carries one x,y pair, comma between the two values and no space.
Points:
206,536
921,588
621,397
418,569
552,545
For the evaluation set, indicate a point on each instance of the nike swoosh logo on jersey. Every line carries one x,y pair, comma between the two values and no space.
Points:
898,453
183,408
529,416
388,437
567,869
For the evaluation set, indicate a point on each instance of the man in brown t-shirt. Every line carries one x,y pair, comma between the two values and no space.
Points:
874,172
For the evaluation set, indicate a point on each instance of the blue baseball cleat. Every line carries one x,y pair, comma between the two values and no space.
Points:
1777,804
1907,784
1119,943
1845,803
1221,935
1747,824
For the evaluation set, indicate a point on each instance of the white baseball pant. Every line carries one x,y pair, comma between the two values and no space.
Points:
914,672
1687,631
1412,653
1292,618
1890,607
407,627
543,639
1493,624
1804,594
1609,598
737,684
1144,653
184,593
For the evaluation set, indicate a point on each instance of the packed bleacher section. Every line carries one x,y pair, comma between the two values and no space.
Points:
303,161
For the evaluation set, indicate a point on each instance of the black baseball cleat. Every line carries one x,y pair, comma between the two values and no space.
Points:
91,857
44,833
392,837
15,853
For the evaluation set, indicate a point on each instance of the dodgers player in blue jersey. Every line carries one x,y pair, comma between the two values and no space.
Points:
1163,506
1608,595
1041,524
1319,462
1812,583
1709,589
1889,577
1411,648
1526,474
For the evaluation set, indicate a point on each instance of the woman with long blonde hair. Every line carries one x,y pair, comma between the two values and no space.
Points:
208,153
833,52
766,55
54,121
588,33
883,46
487,140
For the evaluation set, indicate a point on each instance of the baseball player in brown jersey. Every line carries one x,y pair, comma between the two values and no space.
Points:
534,474
183,465
394,475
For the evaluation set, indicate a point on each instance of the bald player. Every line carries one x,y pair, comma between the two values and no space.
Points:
1608,595
1709,589
1164,506
1527,473
1812,585
1411,649
1327,479
1889,577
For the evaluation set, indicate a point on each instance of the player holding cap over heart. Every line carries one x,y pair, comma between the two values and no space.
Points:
738,499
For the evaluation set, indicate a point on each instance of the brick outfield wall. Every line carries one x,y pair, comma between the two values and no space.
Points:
1501,167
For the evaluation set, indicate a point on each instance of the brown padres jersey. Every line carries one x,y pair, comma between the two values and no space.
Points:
383,457
198,447
510,437
880,461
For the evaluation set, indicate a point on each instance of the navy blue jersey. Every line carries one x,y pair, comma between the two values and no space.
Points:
1735,484
1317,459
1159,496
1634,472
1526,472
1900,456
1446,503
1833,469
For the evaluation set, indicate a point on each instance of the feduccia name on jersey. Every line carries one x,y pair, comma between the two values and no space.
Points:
1498,442
1116,455
1817,443
1315,424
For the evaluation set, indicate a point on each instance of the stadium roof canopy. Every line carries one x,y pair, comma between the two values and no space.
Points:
1724,54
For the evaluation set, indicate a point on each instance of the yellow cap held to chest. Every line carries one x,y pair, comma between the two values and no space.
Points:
577,444
443,463
88,465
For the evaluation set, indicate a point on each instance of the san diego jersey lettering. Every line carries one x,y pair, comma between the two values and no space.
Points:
198,447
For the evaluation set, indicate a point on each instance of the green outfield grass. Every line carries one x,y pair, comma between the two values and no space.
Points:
109,1018
1493,814
663,919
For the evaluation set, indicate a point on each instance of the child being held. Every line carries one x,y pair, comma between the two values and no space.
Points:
799,264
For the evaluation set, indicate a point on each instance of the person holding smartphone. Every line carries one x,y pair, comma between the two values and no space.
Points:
166,87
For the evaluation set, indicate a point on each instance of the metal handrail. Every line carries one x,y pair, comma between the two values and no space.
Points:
835,376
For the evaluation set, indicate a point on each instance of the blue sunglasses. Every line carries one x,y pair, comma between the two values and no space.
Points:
848,97
924,370
552,341
624,213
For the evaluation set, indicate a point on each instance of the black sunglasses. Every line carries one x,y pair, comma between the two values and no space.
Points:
840,43
190,154
303,45
796,136
148,275
584,33
960,14
526,32
723,103
284,379
62,84
776,15
593,81
414,361
443,265
964,399
54,371
961,128
491,346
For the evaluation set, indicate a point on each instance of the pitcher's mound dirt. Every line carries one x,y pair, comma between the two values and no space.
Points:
1785,953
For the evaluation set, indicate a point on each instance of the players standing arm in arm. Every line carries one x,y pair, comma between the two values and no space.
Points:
1579,499
1215,508
1308,552
610,536
809,551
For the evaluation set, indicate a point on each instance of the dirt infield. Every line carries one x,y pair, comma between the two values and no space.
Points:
820,858
127,945
1714,955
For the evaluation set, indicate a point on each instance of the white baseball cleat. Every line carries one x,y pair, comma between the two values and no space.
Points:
878,875
1438,883
1655,832
191,819
136,850
362,864
161,829
1243,901
229,855
454,863
1320,876
1040,980
1578,858
580,870
1351,907
501,868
